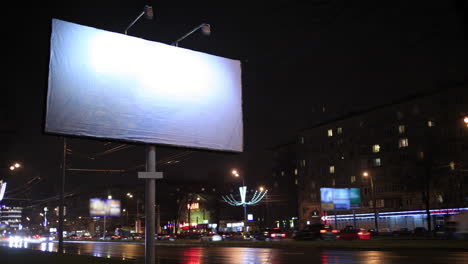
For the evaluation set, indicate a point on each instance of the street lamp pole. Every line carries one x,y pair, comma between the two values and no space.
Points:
374,202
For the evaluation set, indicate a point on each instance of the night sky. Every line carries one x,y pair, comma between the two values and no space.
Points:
297,57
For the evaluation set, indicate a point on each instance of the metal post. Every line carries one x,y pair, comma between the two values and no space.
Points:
336,220
62,198
104,229
376,216
150,202
354,218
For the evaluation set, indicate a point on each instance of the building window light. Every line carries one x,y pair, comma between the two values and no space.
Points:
339,131
430,123
403,143
303,163
376,148
333,182
377,162
295,172
301,140
401,129
332,169
330,132
353,179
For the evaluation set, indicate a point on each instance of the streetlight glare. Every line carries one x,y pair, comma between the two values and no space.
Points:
17,165
365,174
12,167
261,188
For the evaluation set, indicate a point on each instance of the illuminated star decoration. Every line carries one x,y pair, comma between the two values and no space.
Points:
256,198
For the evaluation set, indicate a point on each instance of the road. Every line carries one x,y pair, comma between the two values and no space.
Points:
245,255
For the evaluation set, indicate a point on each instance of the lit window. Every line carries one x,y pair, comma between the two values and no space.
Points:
333,182
302,140
330,132
430,123
296,181
295,172
380,203
401,129
353,179
303,163
403,143
452,165
339,131
376,148
282,173
332,169
377,162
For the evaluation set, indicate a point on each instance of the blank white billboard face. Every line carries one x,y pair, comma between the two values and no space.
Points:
109,85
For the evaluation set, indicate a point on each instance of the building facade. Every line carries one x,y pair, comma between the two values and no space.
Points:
414,151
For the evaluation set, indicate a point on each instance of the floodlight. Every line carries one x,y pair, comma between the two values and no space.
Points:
205,29
147,12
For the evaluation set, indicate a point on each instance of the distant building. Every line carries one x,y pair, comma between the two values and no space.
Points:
10,218
410,148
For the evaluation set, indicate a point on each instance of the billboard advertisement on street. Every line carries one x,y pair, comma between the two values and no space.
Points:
99,207
335,199
113,86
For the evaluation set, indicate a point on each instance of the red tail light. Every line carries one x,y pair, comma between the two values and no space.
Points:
283,235
360,233
323,231
273,235
334,231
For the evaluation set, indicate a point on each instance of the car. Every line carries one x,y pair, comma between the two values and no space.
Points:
73,237
354,234
86,236
136,236
316,231
169,237
211,237
189,236
269,234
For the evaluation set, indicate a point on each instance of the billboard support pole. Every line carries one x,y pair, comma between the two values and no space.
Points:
150,202
62,198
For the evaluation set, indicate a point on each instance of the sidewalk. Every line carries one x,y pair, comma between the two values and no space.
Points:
25,256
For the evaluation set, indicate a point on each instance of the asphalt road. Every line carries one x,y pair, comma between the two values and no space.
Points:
247,255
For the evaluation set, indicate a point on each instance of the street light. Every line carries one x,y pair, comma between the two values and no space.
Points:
205,29
147,11
465,120
376,222
14,166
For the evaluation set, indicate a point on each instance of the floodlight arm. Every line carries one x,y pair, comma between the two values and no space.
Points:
201,26
148,10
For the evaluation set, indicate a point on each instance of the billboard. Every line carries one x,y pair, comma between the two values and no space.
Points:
113,86
99,207
334,199
2,189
